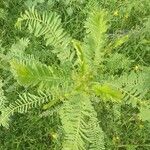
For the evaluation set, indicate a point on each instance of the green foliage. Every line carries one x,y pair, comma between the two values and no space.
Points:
144,112
133,86
20,46
49,26
32,73
2,97
96,27
106,92
115,59
87,91
81,116
22,105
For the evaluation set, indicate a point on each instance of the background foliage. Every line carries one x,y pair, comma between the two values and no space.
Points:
125,124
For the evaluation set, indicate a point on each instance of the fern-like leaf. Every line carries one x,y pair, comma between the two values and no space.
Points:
32,73
96,27
18,48
49,26
2,97
95,133
77,119
133,86
115,59
22,105
106,92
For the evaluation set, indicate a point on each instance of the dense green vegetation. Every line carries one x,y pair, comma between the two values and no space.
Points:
74,75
